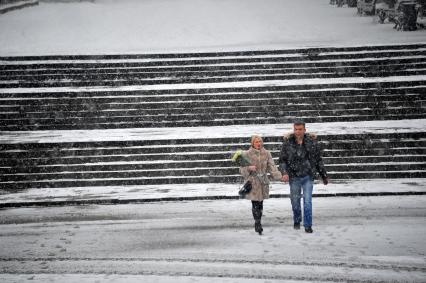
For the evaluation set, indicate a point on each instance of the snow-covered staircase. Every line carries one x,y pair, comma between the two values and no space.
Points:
168,91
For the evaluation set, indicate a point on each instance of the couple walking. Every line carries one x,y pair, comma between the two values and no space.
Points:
299,162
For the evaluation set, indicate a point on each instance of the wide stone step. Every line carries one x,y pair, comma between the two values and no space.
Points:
328,147
202,80
292,90
27,102
307,51
200,72
220,167
11,5
182,59
367,140
99,71
367,108
214,107
182,171
14,186
15,164
138,122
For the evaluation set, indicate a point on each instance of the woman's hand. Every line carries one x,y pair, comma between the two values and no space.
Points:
252,168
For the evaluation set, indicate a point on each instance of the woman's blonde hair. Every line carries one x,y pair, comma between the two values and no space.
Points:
255,137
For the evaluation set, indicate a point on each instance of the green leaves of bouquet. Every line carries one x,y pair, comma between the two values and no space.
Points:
241,159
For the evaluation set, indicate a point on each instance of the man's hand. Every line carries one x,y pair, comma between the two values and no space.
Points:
285,178
252,168
325,180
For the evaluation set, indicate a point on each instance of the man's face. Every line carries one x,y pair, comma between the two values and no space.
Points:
299,131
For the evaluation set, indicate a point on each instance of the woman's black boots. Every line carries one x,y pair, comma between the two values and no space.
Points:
257,209
258,227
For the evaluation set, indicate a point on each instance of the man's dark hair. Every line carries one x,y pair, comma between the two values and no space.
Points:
298,123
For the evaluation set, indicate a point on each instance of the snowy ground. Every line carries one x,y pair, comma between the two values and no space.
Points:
363,239
136,26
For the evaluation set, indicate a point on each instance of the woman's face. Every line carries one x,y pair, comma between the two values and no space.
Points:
257,143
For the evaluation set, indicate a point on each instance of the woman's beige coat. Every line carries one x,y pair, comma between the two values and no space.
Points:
264,163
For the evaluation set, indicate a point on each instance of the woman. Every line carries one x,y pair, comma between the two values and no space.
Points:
261,164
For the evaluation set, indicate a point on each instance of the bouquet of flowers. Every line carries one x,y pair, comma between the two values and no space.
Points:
242,160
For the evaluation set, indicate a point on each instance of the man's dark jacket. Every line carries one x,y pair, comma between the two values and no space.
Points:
301,160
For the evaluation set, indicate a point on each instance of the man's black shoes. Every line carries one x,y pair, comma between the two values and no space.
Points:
296,226
308,229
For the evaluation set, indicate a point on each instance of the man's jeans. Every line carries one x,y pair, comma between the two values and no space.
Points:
296,186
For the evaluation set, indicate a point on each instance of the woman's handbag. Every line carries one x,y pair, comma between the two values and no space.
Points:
246,188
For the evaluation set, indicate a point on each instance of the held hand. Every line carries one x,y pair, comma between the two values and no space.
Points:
285,178
252,168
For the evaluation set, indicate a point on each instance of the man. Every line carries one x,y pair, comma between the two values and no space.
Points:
300,161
